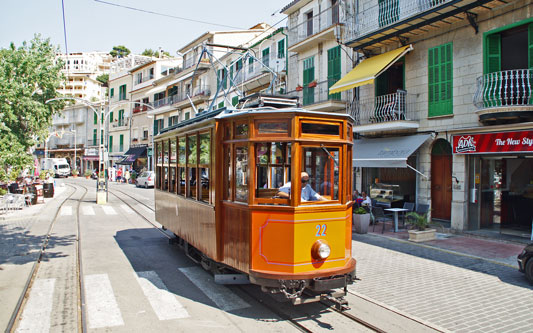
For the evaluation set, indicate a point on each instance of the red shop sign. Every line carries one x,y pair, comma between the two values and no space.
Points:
501,142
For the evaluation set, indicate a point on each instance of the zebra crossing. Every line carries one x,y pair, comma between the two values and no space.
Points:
92,210
103,310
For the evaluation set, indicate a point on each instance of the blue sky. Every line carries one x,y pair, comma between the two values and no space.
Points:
96,26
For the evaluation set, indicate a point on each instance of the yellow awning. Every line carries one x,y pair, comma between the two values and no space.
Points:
369,69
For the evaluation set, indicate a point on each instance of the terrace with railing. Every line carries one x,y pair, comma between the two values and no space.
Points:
399,106
318,23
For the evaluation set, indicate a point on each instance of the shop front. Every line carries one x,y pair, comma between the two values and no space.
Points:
500,180
387,168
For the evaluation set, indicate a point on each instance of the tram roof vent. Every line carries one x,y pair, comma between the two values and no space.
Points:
258,100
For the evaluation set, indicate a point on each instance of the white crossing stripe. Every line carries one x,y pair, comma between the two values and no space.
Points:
127,209
66,211
165,304
87,210
224,298
109,210
102,308
38,309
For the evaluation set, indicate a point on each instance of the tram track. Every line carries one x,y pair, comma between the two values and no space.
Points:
22,301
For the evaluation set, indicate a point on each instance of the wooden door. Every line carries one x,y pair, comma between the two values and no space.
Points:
441,183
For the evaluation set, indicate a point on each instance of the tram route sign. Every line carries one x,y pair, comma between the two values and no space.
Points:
493,143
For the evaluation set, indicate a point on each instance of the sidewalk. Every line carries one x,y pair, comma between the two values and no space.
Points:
32,210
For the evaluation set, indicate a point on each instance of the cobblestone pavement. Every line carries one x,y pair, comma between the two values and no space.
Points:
461,293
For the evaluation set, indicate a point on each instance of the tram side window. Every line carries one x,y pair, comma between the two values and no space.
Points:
227,173
322,165
241,173
164,184
182,161
158,167
192,154
173,157
272,168
204,165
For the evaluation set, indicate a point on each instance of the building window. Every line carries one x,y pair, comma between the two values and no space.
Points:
235,100
121,143
281,49
308,77
221,104
110,144
122,92
110,117
440,67
266,57
112,93
334,70
250,65
121,118
94,137
222,78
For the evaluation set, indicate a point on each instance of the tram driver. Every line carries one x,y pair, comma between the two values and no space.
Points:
308,194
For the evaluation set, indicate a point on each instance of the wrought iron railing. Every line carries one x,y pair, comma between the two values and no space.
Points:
505,88
385,108
316,24
385,13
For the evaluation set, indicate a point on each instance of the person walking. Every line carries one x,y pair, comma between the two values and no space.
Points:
127,176
119,175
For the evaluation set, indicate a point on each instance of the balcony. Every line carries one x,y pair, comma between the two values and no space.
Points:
505,97
200,94
121,123
384,21
385,113
314,30
140,108
317,97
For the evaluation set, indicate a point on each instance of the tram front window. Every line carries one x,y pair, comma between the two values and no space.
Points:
272,168
322,166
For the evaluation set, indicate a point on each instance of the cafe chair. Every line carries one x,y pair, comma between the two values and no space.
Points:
380,216
410,206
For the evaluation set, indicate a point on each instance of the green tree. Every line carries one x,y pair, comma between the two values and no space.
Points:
103,78
152,53
29,76
120,51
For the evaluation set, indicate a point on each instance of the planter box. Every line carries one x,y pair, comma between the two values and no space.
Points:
360,223
421,236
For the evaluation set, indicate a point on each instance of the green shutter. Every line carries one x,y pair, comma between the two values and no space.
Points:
121,142
110,144
530,45
266,57
156,122
101,137
220,105
281,49
334,69
95,118
94,137
440,80
112,93
308,76
493,53
110,117
235,100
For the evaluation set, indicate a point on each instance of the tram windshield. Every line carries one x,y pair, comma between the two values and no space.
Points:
321,164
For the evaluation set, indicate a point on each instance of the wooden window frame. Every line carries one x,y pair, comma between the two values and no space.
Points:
257,122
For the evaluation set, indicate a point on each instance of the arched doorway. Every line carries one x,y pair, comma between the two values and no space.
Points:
441,180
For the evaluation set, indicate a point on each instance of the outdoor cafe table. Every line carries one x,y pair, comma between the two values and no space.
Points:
395,211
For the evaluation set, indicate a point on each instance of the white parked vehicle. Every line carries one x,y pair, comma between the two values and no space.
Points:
145,179
59,165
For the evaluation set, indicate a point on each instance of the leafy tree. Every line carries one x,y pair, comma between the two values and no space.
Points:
29,76
103,78
120,51
152,53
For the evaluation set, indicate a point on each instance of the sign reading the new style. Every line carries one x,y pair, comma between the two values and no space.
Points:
499,142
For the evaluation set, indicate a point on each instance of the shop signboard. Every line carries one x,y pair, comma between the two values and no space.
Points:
498,142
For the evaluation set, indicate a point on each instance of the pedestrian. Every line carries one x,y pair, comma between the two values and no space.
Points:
127,176
119,175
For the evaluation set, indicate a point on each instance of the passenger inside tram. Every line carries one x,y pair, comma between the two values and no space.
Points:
308,194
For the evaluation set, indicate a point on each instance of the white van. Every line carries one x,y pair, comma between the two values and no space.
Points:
59,165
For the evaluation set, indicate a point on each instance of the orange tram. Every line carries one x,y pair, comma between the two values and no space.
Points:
218,180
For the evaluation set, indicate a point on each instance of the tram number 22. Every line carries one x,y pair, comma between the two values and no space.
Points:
320,230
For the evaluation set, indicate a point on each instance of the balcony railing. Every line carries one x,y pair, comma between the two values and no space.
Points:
392,107
385,13
316,24
505,89
319,93
140,108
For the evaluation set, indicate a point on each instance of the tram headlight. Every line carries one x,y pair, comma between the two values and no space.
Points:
320,249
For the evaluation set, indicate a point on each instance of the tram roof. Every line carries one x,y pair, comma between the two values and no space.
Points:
225,112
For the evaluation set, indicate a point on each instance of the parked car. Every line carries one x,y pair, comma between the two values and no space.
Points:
145,179
525,262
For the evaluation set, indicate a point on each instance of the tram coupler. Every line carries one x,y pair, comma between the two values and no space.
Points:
338,302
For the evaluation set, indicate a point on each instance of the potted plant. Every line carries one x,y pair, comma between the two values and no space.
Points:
312,84
87,173
420,222
361,220
299,88
75,173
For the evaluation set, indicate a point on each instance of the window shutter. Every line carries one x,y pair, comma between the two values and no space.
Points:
95,118
493,53
94,137
235,100
110,117
121,139
110,144
440,80
530,45
334,69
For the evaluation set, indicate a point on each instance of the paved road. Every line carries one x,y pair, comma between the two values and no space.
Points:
457,292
